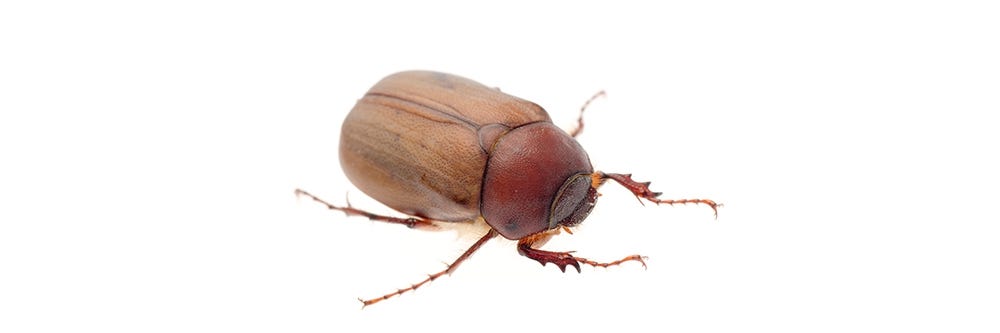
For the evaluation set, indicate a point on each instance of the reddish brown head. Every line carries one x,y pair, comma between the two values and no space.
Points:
537,178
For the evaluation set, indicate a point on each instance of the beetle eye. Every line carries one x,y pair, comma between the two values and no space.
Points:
574,201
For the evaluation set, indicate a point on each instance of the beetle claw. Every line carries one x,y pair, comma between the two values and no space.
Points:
571,262
562,260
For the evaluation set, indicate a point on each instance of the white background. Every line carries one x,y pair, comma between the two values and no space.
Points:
150,150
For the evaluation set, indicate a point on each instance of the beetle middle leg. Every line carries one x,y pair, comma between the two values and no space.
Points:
579,120
431,277
411,222
526,247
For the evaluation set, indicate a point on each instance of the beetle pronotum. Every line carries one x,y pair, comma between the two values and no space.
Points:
443,148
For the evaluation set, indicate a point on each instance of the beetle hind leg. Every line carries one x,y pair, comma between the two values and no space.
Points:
410,222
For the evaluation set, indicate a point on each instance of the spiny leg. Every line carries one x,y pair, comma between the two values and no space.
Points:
563,259
431,277
579,120
641,191
410,222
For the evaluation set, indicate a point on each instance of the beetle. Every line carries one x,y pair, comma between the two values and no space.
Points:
443,148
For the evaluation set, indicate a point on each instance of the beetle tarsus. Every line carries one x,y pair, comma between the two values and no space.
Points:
641,191
634,257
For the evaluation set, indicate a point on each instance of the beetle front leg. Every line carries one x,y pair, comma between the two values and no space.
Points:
641,190
525,246
410,222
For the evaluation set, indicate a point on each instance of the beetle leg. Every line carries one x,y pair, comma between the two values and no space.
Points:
563,259
579,120
641,191
411,222
431,277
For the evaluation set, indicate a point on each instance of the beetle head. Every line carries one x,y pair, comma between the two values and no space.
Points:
574,201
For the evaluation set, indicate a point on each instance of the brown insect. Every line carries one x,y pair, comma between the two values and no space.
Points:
443,148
